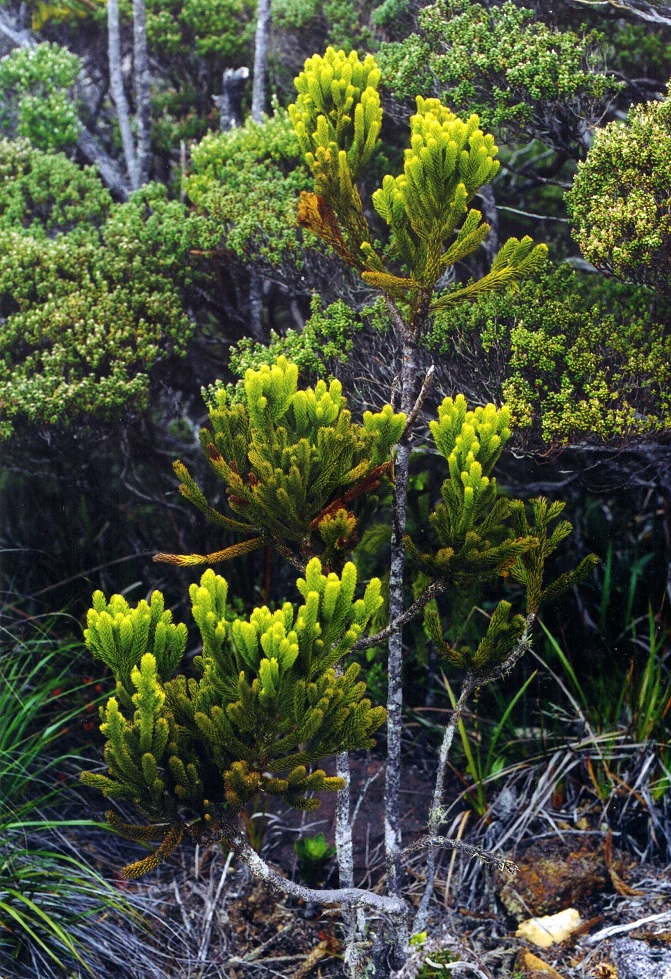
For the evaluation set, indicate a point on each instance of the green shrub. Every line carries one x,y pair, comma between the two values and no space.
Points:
571,360
46,193
35,99
620,203
89,314
524,79
246,182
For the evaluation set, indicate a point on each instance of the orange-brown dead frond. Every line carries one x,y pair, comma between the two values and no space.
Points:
316,215
139,834
368,484
215,455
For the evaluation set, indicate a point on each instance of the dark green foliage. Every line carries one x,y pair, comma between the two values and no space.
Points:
530,567
46,193
298,472
220,32
268,703
246,183
524,79
339,22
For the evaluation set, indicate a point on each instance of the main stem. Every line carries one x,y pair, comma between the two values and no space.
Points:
351,899
392,810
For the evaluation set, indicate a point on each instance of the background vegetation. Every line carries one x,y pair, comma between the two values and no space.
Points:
122,314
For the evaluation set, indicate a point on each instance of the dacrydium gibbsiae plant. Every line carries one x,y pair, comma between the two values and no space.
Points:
275,694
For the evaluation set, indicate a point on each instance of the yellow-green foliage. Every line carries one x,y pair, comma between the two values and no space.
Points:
266,705
298,472
470,523
337,118
480,535
572,357
447,162
120,635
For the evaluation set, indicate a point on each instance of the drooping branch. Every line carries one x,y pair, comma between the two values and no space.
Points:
486,856
646,11
391,908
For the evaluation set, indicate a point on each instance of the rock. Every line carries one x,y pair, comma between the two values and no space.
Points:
551,929
553,876
638,960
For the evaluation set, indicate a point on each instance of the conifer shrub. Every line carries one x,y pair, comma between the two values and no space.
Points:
189,753
269,702
274,693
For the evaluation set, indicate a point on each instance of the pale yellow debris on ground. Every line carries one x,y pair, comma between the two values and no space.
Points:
536,967
551,929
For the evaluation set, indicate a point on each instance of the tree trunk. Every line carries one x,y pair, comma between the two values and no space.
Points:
258,105
410,384
110,173
118,93
142,91
260,59
230,100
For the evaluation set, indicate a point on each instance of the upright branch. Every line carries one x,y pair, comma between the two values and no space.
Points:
138,159
261,40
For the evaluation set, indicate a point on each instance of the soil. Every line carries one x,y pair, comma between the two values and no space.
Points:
241,929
